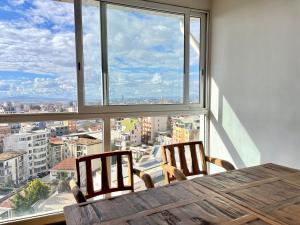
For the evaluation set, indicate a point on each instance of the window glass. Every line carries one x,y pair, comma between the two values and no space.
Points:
144,136
42,155
145,56
92,52
195,66
37,57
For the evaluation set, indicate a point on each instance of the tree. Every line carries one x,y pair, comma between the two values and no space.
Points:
63,183
35,191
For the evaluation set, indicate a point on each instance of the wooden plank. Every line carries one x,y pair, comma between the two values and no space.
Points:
89,178
171,155
104,175
195,165
119,172
130,172
202,158
182,159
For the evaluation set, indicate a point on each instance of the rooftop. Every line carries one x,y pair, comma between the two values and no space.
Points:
9,155
84,141
67,164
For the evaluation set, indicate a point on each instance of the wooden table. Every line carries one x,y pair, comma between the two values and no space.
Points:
261,195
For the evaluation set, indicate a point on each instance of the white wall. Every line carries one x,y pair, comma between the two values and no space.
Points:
255,68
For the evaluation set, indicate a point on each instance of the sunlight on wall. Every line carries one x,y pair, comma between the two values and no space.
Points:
214,99
239,137
217,149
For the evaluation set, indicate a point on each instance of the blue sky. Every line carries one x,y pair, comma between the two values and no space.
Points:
37,52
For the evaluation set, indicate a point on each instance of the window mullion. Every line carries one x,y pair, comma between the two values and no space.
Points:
105,86
203,72
186,58
79,54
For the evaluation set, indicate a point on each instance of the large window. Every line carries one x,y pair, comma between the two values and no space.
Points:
37,57
145,56
136,66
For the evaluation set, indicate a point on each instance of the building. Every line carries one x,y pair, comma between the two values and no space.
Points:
59,130
35,144
13,168
72,125
151,126
185,129
4,132
66,167
57,152
76,147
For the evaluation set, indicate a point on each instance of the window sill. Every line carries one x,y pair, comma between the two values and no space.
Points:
44,219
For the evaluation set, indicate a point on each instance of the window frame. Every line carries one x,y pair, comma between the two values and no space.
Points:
106,108
107,112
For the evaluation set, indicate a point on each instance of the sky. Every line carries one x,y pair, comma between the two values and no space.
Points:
37,52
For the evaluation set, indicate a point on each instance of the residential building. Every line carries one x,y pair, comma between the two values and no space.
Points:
185,129
66,167
151,126
57,152
4,132
13,168
82,146
35,144
59,130
72,125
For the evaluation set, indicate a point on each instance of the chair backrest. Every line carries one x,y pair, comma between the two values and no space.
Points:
169,157
105,183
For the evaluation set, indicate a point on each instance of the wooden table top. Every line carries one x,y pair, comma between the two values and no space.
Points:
261,195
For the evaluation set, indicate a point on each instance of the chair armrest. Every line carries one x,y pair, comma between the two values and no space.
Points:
78,195
145,177
220,162
174,172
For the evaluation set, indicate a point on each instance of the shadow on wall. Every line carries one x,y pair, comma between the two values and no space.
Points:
225,127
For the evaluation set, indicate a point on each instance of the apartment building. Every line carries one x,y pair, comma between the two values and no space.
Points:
185,129
57,152
151,126
13,168
78,146
59,130
35,144
4,132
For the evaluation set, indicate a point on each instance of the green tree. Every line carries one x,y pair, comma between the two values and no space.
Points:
35,191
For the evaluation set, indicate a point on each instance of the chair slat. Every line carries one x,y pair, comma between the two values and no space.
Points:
202,158
119,172
171,155
89,178
182,159
78,172
130,172
195,165
104,175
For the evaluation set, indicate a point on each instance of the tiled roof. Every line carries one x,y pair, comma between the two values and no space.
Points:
6,204
84,141
67,164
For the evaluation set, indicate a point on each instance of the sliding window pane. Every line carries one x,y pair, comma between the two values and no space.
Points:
145,56
41,156
144,136
92,52
195,66
37,57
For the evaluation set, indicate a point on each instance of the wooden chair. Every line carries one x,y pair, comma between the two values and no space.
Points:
169,162
105,187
